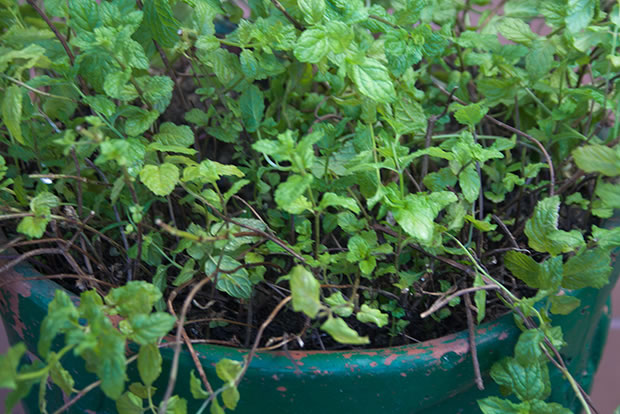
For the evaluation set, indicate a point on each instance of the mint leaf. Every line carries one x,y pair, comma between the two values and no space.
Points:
195,387
469,180
110,363
543,234
334,200
305,290
149,363
235,281
313,45
160,179
129,403
138,120
135,297
61,377
117,86
606,238
33,227
12,112
418,215
516,30
9,362
470,114
227,370
230,396
373,80
528,382
313,10
340,331
579,14
589,268
157,91
339,305
160,22
289,194
370,315
598,158
61,315
148,328
540,59
252,107
496,405
563,304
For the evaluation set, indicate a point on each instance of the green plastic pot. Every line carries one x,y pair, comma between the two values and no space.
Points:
430,377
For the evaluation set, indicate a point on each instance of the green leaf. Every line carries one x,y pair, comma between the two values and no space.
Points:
370,315
334,200
61,315
216,408
339,305
528,382
12,112
84,15
43,202
418,215
227,370
138,120
608,193
129,403
61,377
289,194
157,91
9,362
161,22
470,114
589,268
176,405
186,274
606,238
373,80
149,362
469,180
117,86
160,179
340,331
495,405
195,387
252,107
480,299
305,290
579,14
148,328
135,297
230,396
516,30
542,230
597,158
546,275
249,64
313,10
33,227
358,249
527,349
539,61
110,363
563,304
237,284
313,45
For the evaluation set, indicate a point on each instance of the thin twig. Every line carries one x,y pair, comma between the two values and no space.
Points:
290,18
443,301
472,342
54,29
507,231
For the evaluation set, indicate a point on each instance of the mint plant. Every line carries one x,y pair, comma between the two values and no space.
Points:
365,164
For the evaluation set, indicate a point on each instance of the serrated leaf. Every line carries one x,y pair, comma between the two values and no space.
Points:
148,328
469,180
579,14
313,10
334,200
61,314
249,64
373,80
516,30
252,106
161,22
33,227
527,382
138,120
176,405
540,59
597,158
470,114
12,112
149,363
117,86
542,230
305,290
589,268
496,405
110,363
606,238
135,297
313,45
289,194
9,362
418,215
227,370
160,179
367,314
157,91
339,305
338,329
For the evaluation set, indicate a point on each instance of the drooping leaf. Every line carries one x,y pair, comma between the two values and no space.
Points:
149,363
12,112
589,268
161,23
341,332
597,158
195,387
252,107
9,362
305,290
367,314
563,304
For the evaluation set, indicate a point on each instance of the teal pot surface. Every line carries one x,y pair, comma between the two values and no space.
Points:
430,377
